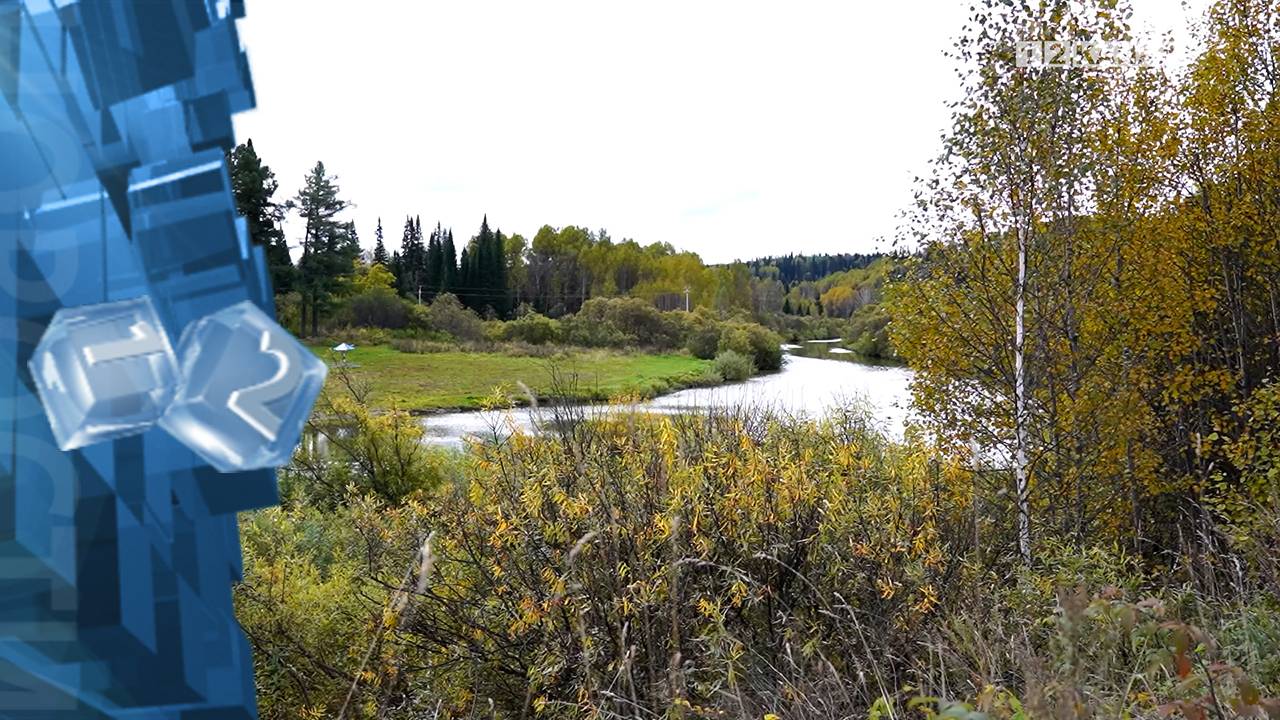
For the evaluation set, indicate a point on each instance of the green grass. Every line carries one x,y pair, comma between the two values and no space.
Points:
463,380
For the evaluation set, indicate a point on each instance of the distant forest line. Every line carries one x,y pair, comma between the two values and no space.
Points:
501,276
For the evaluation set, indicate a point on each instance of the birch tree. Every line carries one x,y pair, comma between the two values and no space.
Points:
999,223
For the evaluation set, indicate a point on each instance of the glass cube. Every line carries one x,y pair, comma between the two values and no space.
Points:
247,389
104,371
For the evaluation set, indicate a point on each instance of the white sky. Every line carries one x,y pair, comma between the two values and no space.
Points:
734,128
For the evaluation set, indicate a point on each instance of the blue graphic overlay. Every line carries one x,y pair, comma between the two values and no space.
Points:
104,371
117,557
250,418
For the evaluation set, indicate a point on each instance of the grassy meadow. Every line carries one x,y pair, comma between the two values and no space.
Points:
422,382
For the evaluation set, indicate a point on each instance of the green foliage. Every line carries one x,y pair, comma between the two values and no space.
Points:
289,311
301,606
744,565
447,314
704,338
372,278
329,247
846,305
380,308
623,322
1147,297
254,186
532,328
482,284
380,255
733,366
792,269
414,276
868,333
630,546
1254,455
762,345
363,451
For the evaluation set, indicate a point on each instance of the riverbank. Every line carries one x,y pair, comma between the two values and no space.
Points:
427,383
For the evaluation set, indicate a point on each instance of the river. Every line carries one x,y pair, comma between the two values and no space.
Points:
810,384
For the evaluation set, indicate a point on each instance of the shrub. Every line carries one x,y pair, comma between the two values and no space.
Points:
722,559
1254,456
643,323
419,317
447,314
622,322
762,345
532,328
734,338
704,342
868,333
377,308
734,366
588,332
749,565
289,312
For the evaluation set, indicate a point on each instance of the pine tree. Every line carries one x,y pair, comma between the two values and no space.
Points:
435,262
465,274
379,249
253,185
412,260
328,247
478,280
484,272
498,275
449,275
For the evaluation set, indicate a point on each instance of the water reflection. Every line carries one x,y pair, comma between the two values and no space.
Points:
806,386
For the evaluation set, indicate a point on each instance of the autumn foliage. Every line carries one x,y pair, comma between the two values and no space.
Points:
1084,522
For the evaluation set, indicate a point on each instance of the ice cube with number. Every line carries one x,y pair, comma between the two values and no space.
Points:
104,371
247,389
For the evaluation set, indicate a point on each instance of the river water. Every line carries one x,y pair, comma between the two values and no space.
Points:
812,383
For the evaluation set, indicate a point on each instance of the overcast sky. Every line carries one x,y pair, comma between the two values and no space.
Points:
734,128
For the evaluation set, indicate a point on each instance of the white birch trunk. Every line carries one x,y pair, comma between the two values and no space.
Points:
1020,401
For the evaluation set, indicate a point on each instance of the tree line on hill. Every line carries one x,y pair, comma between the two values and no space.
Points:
792,268
553,274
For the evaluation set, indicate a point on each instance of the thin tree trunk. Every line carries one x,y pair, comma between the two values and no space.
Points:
1020,398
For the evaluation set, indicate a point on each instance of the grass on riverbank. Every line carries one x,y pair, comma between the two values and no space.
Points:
463,380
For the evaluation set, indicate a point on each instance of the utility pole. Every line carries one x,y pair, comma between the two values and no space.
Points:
686,298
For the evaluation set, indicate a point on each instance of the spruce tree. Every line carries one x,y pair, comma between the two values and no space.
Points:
395,268
412,260
478,278
465,279
498,275
379,249
449,276
328,246
253,184
435,261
